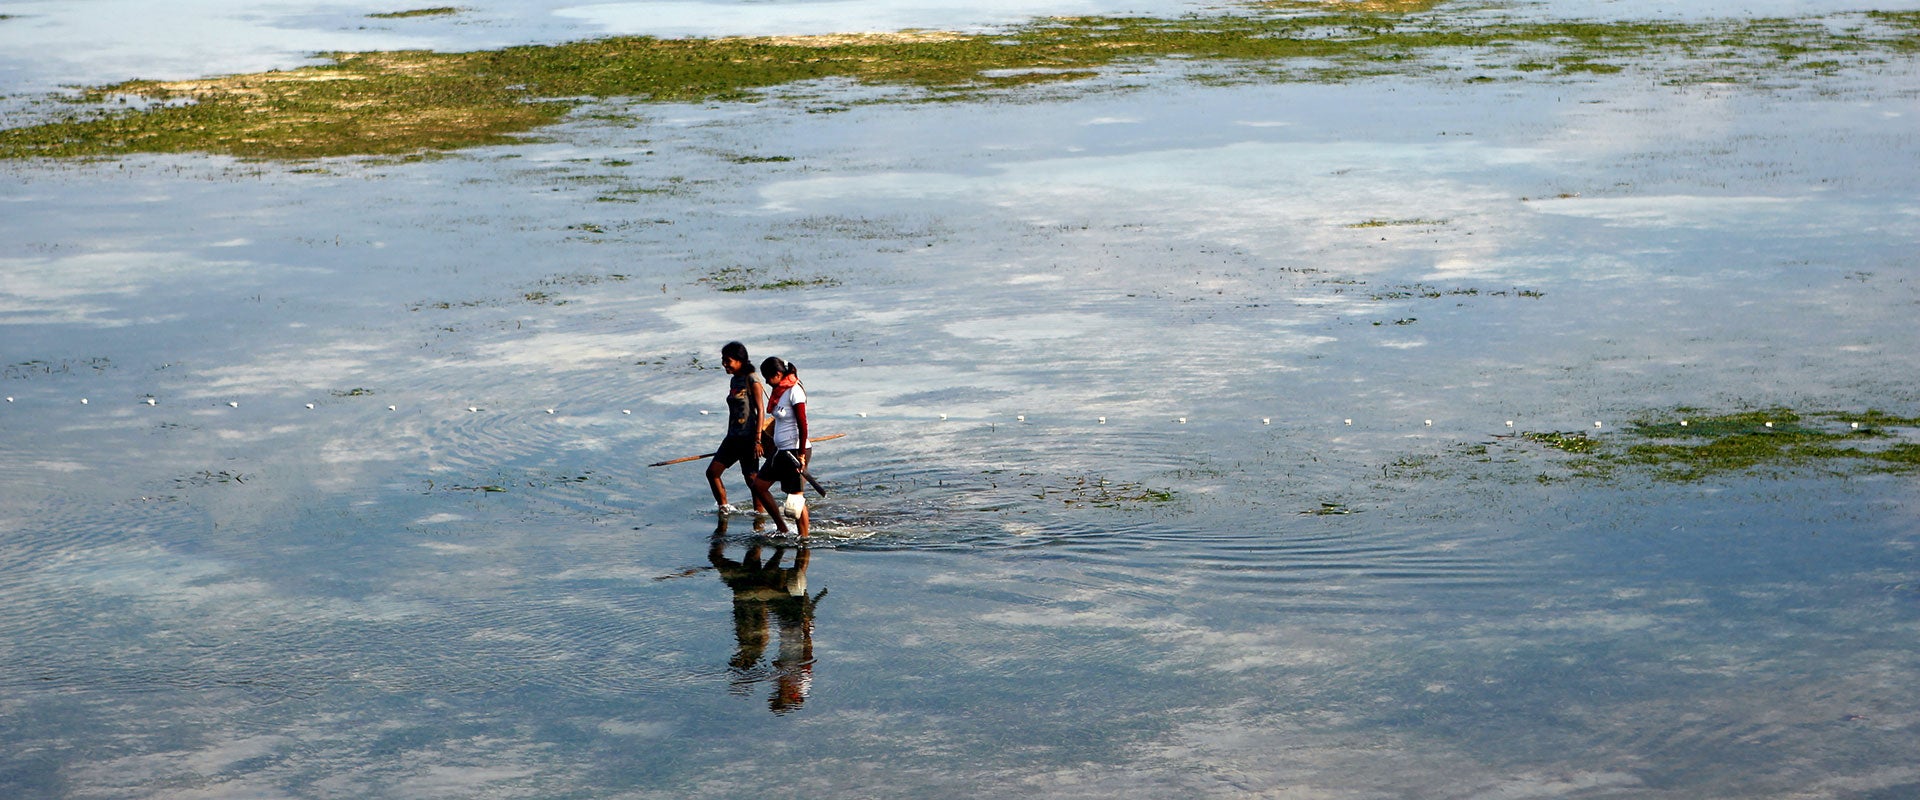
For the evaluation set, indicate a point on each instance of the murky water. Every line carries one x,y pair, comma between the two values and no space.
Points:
1097,354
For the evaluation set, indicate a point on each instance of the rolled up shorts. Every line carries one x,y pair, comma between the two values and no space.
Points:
735,449
783,467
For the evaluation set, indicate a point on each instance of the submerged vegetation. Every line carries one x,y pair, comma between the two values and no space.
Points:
747,279
437,11
388,103
1683,447
1099,492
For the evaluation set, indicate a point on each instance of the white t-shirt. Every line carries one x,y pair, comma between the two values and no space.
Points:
786,429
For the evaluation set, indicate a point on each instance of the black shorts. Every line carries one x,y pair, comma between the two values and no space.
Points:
784,467
735,449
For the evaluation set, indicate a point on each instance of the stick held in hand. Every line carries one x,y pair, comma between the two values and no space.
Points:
814,440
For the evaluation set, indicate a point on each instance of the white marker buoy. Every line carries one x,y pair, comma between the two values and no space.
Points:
1266,421
704,412
549,411
233,404
943,416
83,401
1021,418
1769,424
1103,420
473,410
152,402
1683,423
863,415
309,406
391,408
1855,425
1183,420
1596,423
1509,423
626,411
1429,423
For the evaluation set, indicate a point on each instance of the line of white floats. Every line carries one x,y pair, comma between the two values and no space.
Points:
1428,423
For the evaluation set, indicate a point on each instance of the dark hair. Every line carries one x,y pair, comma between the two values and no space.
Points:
773,368
737,352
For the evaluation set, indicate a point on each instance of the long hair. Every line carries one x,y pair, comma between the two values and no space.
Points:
774,368
737,352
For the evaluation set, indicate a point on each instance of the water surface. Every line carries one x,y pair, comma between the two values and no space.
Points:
1096,353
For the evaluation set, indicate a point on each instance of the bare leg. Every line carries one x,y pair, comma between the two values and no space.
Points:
763,495
746,472
715,469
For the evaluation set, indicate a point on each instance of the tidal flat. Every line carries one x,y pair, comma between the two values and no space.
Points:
376,103
1218,424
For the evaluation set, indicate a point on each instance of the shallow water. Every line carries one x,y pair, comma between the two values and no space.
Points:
1216,308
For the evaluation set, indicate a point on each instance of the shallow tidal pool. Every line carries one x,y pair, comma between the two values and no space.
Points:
1182,451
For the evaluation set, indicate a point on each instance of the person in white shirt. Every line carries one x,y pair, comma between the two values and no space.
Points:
787,454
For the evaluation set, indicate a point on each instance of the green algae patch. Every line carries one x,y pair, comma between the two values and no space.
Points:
1685,446
752,279
437,11
410,102
1566,442
1391,223
1099,492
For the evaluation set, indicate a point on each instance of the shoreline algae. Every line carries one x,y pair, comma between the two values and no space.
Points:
408,102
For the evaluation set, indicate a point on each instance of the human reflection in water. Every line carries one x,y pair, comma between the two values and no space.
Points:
764,593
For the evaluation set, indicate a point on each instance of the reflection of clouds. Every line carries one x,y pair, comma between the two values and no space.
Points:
680,18
637,729
564,351
470,779
1032,328
176,589
1691,211
1240,188
83,289
222,761
315,366
64,44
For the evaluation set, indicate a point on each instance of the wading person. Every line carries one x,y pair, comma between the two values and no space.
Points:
744,410
788,452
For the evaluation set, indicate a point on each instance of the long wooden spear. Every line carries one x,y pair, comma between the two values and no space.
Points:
817,439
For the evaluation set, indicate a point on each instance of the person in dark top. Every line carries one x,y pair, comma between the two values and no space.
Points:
744,409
